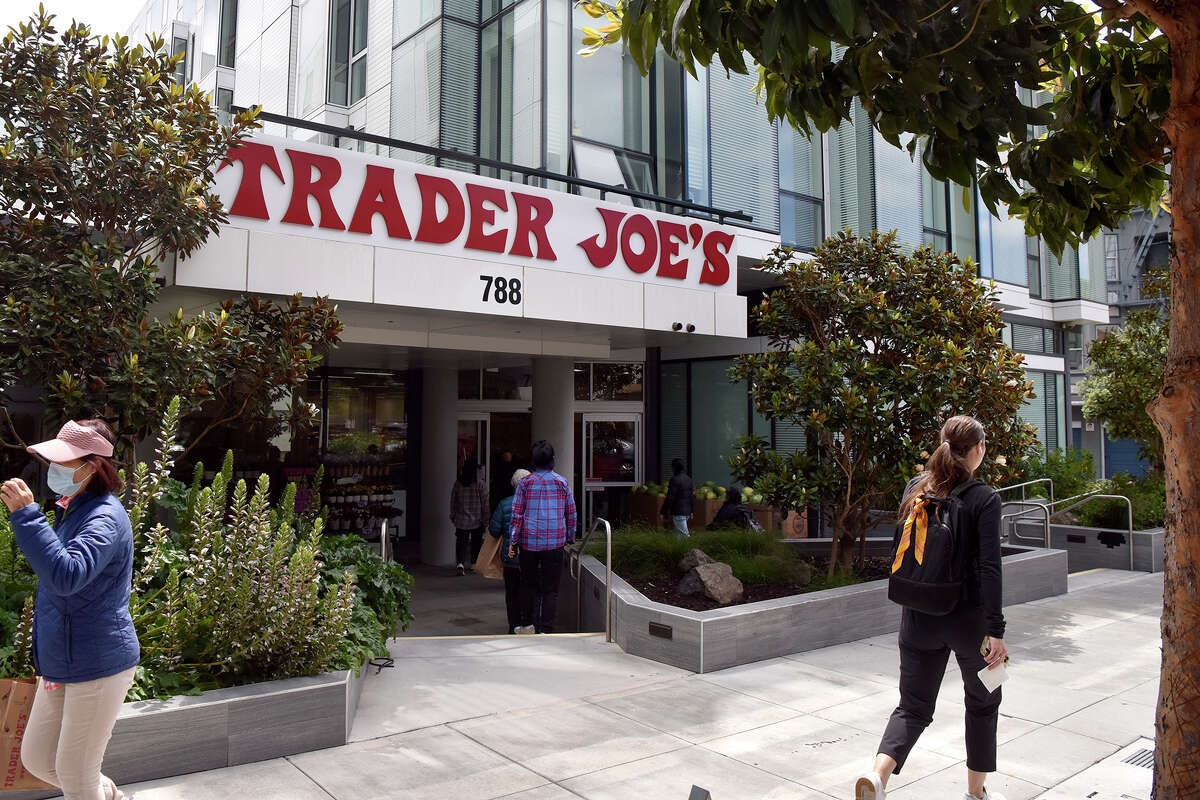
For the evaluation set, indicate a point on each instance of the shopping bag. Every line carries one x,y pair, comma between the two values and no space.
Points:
16,700
488,564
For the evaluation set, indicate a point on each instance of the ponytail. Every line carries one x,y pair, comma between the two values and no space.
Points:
947,467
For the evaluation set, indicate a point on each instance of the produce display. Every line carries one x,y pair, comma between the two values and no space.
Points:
709,490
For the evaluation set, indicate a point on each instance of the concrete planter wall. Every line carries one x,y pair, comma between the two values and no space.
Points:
225,727
1096,548
712,640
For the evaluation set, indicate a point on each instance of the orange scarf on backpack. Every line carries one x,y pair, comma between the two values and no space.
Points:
915,529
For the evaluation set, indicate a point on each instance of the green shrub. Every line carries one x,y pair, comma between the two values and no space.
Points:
641,553
383,592
1072,470
1148,496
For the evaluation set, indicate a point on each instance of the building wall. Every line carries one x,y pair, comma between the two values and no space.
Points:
503,80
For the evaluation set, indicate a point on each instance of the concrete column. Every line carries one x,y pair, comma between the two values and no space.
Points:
553,410
439,437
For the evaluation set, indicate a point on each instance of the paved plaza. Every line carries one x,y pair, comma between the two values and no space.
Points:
544,718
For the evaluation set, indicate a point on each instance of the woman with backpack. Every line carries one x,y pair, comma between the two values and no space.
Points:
946,563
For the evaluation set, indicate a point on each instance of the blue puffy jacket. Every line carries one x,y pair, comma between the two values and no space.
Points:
82,630
501,527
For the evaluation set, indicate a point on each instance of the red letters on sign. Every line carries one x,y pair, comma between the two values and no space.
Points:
603,255
432,229
379,197
249,201
639,225
670,236
476,239
329,169
533,212
716,258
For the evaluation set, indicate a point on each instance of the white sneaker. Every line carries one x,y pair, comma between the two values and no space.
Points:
869,787
526,630
460,569
986,796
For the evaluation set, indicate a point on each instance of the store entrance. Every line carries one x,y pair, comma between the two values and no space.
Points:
499,441
609,458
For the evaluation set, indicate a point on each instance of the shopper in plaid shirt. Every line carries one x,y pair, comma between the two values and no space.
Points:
468,513
543,522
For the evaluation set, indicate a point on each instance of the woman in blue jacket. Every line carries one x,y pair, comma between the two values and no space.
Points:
518,620
84,645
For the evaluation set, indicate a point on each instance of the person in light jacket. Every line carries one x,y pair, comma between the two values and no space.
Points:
468,514
85,648
500,528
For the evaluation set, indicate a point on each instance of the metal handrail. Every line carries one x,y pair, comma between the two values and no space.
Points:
1030,507
446,154
575,569
1051,509
1022,486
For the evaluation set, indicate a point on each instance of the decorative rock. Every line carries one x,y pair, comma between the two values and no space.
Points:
691,583
720,584
694,558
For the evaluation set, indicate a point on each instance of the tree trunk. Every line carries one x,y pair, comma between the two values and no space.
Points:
1176,411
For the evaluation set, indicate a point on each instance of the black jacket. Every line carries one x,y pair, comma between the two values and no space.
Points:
979,521
732,515
678,502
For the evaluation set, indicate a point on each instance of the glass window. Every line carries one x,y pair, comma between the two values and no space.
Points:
510,103
227,44
1009,249
616,381
720,412
558,101
179,48
360,26
339,51
1112,264
801,221
416,91
935,213
366,415
468,384
610,100
312,61
508,383
409,16
745,150
225,106
672,417
669,135
612,455
1033,261
696,97
583,381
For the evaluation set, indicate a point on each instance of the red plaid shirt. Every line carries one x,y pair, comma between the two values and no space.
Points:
543,512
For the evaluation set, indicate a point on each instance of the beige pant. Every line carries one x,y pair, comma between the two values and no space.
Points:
69,728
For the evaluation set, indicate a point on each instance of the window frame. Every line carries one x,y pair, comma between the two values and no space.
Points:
227,24
355,92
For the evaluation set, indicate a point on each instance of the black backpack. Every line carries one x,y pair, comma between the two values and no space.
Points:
929,571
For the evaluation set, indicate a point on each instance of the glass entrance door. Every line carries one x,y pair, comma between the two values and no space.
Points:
474,432
611,446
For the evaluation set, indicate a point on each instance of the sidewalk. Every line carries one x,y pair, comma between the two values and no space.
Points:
545,718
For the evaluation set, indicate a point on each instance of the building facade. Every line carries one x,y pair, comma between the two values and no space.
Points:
622,364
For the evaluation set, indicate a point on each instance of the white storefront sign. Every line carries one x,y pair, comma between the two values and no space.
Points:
362,227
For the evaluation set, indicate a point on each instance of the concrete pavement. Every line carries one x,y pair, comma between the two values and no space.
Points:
544,718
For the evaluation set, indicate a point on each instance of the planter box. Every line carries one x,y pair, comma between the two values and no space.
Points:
1096,548
644,508
712,640
226,727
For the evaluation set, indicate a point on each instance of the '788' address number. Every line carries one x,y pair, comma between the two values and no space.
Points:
501,290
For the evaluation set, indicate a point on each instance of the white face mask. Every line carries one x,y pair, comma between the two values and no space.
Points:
62,480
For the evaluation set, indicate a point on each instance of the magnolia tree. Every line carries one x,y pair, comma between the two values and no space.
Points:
1124,76
1125,374
872,348
105,171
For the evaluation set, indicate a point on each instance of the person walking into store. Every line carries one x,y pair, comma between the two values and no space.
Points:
543,523
501,528
678,503
946,506
85,648
468,513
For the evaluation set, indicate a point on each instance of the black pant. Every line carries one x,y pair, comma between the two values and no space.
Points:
512,599
467,544
925,645
540,571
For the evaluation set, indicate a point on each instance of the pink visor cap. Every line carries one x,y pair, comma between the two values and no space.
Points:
73,441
